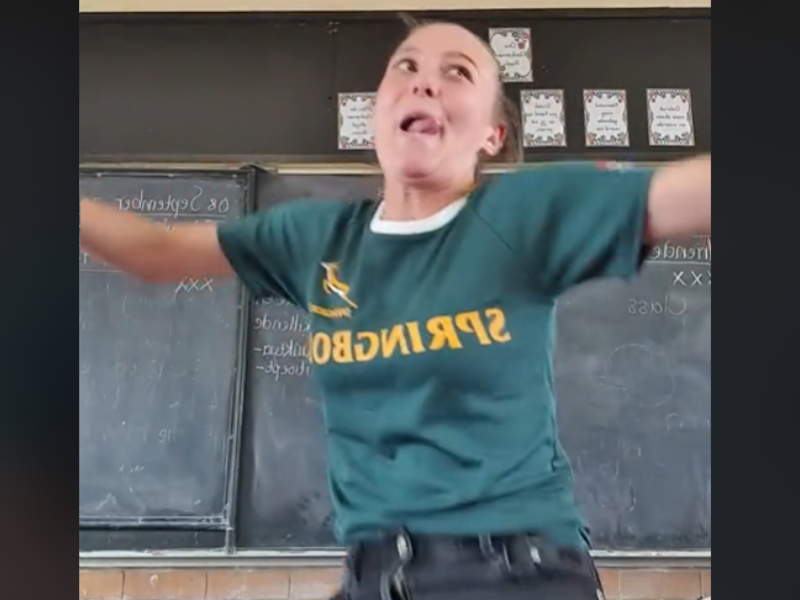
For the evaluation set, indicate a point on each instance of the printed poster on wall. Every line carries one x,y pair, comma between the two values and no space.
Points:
669,117
355,112
606,118
512,49
543,118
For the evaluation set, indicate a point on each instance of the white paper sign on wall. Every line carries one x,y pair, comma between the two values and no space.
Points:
669,117
355,112
606,118
512,49
543,118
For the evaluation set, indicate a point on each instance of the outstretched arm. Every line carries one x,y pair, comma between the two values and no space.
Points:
679,201
143,248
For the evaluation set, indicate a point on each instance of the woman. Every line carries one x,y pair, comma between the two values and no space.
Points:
433,316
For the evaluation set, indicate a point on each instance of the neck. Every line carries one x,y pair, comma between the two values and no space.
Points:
402,202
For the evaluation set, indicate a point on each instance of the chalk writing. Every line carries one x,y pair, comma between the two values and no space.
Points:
669,305
166,436
698,252
610,470
643,375
283,350
272,301
691,278
289,348
629,450
675,421
190,284
174,205
296,323
279,369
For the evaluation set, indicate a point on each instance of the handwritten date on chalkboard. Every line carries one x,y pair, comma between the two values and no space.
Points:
198,201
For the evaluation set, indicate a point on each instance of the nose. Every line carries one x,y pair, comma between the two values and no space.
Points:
425,85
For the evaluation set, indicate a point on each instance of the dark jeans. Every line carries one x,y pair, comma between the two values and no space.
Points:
404,567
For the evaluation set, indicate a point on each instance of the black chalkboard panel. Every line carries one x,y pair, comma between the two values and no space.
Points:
159,386
633,378
283,489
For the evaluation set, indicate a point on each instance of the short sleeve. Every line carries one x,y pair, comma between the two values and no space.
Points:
274,250
574,222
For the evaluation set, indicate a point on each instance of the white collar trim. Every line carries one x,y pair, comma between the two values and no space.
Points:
431,223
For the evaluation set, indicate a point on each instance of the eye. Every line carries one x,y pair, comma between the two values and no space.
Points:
459,71
406,64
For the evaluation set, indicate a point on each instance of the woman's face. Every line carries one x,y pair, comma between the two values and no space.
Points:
435,108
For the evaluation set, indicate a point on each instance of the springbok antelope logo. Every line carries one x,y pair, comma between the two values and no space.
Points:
333,285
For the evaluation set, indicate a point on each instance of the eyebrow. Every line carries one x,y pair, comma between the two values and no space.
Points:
451,54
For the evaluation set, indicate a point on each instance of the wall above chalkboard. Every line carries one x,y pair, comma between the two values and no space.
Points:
143,94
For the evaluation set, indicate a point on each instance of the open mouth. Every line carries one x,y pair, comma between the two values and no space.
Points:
421,123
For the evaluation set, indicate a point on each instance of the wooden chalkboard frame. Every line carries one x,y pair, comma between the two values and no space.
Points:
246,176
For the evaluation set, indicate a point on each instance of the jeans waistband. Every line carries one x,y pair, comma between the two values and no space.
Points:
399,559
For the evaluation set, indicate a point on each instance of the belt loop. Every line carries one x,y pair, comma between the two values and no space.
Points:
405,549
528,557
489,549
533,551
394,580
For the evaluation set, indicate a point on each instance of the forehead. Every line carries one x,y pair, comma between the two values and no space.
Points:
444,38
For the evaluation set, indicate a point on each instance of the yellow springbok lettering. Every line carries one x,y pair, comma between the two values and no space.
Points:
442,332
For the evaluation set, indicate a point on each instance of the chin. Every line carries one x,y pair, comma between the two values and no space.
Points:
417,170
416,173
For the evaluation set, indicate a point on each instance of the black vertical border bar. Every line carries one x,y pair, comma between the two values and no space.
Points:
239,388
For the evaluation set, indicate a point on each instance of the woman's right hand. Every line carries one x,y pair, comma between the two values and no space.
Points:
143,248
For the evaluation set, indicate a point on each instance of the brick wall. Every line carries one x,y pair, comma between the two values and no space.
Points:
319,583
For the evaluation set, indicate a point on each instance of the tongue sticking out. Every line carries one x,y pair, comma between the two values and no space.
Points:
425,125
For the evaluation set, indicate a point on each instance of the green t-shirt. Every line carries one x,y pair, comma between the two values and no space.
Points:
432,342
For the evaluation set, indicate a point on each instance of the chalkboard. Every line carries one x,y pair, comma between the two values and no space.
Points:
159,385
283,489
633,379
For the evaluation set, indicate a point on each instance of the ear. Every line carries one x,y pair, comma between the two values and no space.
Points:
495,139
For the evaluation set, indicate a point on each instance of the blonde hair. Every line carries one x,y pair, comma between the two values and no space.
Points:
505,110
